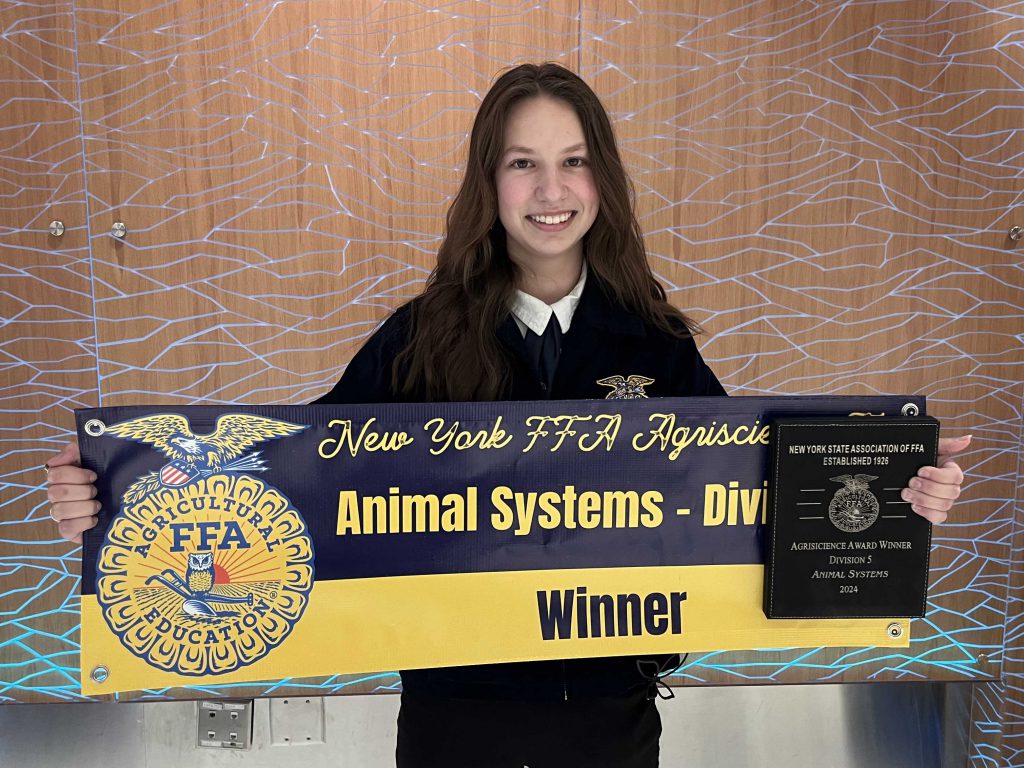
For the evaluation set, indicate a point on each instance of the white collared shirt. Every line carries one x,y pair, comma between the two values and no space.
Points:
530,313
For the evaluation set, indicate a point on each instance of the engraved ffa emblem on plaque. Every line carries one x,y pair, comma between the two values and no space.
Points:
853,507
206,568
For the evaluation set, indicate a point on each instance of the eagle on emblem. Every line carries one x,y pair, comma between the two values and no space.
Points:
192,456
625,388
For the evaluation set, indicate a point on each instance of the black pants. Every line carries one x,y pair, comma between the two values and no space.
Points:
619,732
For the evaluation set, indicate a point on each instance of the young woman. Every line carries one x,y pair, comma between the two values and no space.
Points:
542,290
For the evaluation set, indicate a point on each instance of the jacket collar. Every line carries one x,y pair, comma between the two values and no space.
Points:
595,311
598,310
533,314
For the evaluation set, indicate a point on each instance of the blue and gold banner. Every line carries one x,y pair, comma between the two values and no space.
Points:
255,543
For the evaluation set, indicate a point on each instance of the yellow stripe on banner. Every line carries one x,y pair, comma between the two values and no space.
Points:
374,625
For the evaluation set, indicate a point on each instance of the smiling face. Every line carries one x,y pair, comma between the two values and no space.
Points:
547,198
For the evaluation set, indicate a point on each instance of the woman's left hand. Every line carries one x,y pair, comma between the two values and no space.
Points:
933,491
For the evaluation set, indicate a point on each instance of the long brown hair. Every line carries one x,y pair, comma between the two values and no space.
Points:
453,352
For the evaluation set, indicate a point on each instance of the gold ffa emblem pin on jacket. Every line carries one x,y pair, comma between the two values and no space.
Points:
625,388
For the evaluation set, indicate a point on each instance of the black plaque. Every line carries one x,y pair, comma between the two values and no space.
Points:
841,541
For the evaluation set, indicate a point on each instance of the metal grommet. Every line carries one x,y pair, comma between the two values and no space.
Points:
56,228
95,427
894,630
99,674
909,409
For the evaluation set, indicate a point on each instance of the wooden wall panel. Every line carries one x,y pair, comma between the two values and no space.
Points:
850,173
47,350
839,225
283,170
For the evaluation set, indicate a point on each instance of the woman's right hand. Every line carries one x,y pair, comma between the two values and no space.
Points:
71,492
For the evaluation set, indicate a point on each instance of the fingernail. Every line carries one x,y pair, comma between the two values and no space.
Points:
905,494
92,476
915,483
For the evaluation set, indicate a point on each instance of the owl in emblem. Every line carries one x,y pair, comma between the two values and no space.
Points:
625,388
199,574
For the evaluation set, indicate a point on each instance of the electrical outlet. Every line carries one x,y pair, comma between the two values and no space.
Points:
224,724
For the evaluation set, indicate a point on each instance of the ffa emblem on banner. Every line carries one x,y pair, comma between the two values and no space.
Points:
625,388
206,568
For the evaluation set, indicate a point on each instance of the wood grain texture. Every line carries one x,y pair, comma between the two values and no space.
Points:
284,174
47,344
836,228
